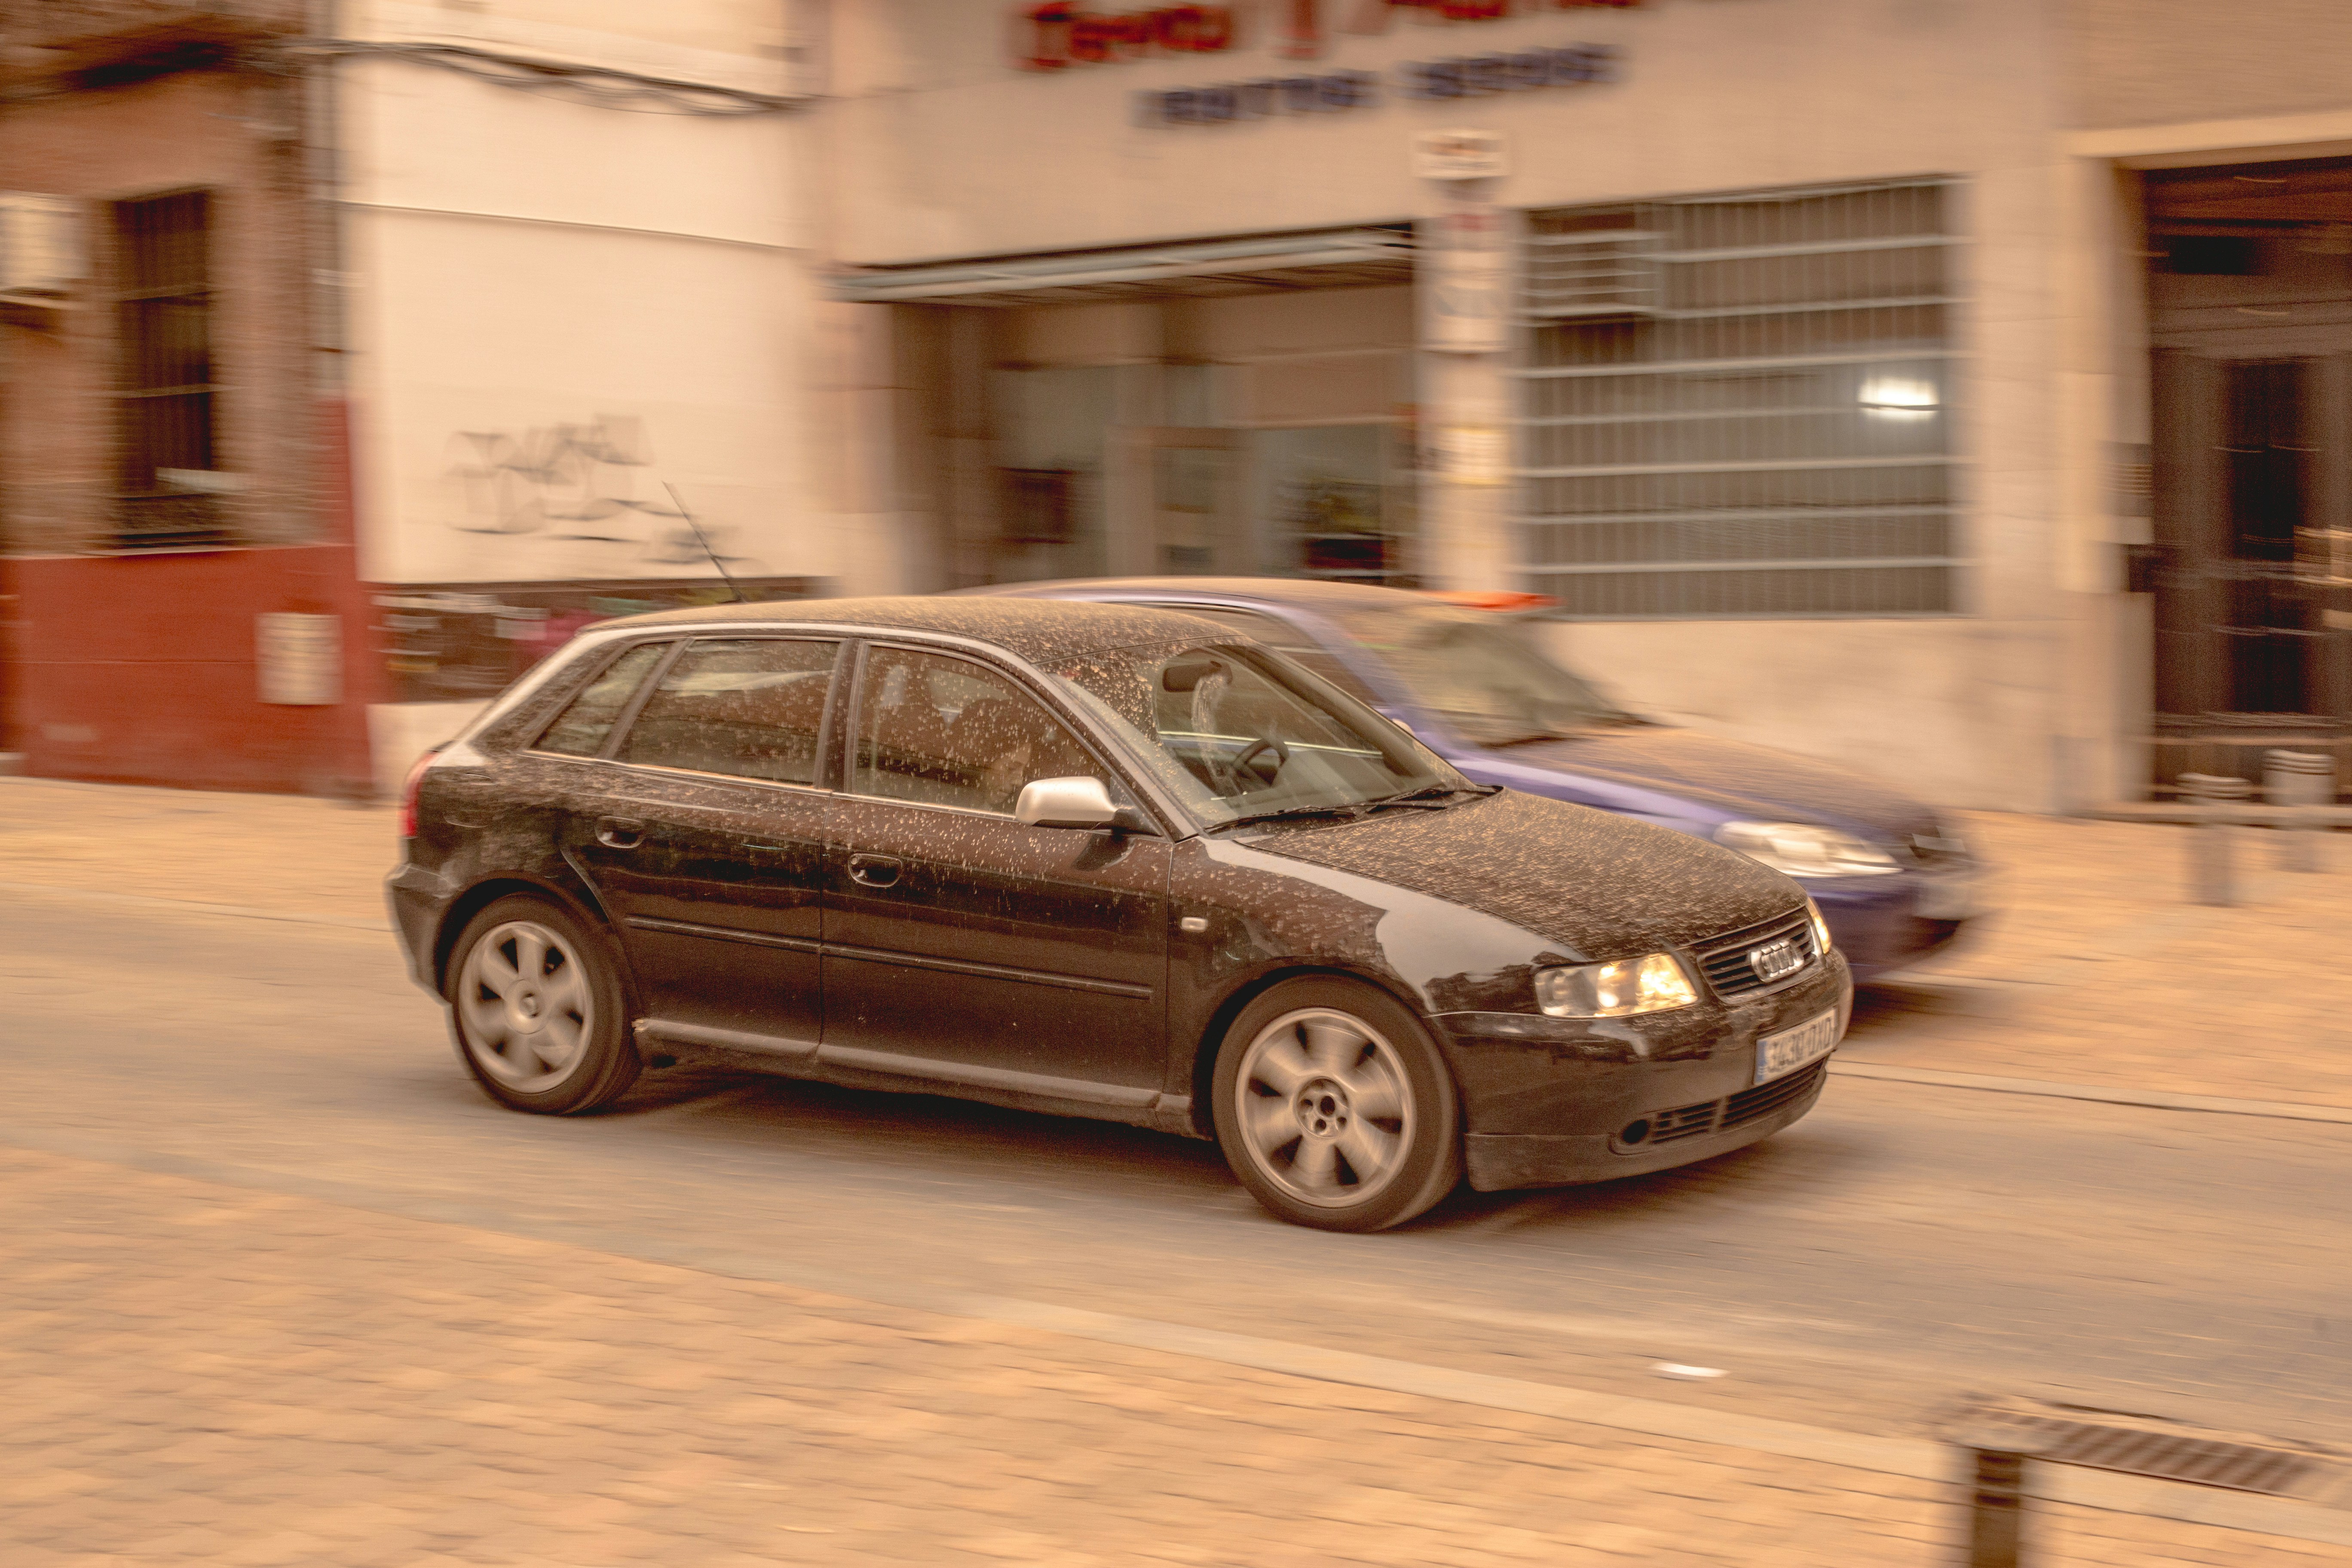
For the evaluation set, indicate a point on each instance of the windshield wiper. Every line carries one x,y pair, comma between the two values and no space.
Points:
1431,797
1288,811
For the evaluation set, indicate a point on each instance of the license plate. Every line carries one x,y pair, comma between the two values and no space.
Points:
1785,1052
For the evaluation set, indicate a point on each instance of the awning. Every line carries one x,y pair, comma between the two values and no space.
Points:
1331,258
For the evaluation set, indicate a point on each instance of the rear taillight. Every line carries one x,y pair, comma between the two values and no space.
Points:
408,794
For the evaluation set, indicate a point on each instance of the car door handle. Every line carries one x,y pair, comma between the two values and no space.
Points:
619,833
874,870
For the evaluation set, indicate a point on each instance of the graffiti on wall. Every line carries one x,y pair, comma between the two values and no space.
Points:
591,491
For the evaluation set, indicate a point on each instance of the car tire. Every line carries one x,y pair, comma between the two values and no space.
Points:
1333,1107
538,1011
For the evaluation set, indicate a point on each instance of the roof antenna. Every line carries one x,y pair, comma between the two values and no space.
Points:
741,596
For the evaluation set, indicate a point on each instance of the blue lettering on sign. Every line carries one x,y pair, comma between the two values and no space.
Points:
1257,100
1474,76
1466,76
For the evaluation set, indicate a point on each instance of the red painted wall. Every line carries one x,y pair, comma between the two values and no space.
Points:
141,669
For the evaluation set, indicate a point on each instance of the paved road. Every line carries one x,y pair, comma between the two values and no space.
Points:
1901,1244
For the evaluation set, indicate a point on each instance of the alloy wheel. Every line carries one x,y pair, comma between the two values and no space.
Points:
528,1008
1325,1109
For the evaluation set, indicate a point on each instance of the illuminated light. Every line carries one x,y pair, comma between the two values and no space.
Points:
1892,399
1615,990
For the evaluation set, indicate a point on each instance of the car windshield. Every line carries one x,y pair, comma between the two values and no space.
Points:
1242,732
1483,675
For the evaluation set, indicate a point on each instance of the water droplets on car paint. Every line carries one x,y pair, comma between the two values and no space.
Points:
1526,859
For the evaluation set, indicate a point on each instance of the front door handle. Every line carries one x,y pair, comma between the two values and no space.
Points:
874,870
619,833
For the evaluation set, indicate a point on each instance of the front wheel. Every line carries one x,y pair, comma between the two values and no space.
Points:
536,1004
1334,1109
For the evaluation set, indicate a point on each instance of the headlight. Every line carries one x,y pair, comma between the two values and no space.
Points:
1802,850
1615,990
1820,927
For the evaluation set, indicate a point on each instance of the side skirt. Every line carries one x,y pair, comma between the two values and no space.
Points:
893,1073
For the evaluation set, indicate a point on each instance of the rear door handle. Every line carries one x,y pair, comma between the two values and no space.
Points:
874,870
619,833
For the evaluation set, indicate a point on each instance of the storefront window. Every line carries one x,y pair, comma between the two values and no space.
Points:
1053,438
1327,502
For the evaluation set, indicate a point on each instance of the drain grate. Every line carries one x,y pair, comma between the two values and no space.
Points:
2205,1461
2150,1445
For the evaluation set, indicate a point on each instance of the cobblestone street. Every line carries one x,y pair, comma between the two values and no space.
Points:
283,1289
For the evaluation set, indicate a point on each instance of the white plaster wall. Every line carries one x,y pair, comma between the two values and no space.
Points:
631,291
400,732
1949,709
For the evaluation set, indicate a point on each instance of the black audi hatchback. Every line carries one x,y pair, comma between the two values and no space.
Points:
1099,860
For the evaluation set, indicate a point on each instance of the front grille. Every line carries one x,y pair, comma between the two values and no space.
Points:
1683,1121
1725,959
1754,1104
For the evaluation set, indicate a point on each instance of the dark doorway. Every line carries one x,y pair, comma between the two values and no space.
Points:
2250,289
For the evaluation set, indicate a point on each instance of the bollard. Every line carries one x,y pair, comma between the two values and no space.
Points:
2211,878
1997,1495
2298,779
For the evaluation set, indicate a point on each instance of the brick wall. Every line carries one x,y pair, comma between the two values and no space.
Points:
213,129
139,665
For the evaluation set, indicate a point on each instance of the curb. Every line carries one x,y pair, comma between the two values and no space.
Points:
2152,1098
1915,1458
190,907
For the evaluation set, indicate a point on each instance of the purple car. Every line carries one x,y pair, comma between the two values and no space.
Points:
1894,882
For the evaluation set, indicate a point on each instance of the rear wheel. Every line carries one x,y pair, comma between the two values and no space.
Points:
535,1003
1334,1109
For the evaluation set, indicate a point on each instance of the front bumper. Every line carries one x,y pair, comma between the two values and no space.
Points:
1545,1100
1883,923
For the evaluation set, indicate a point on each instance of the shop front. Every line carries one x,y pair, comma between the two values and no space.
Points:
1244,406
1745,362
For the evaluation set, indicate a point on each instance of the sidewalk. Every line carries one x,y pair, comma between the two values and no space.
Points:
204,1373
2092,969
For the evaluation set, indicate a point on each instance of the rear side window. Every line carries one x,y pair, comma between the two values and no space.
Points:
1276,633
750,707
582,729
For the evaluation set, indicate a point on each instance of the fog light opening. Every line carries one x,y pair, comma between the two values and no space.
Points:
1635,1132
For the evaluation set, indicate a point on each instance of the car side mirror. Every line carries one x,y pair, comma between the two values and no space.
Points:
1078,801
1187,671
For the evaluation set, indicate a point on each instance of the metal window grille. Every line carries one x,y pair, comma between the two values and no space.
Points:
164,410
1741,405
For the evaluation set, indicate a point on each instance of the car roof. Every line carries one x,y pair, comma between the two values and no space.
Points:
1306,592
1043,631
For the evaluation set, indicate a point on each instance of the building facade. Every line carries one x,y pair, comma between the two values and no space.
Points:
358,353
1800,350
1952,387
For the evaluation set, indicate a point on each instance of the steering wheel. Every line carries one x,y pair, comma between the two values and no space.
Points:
1281,757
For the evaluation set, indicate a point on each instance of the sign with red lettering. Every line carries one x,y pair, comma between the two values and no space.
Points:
1054,35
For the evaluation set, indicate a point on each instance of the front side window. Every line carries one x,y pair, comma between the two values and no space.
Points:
1483,677
748,707
1238,732
939,731
586,723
